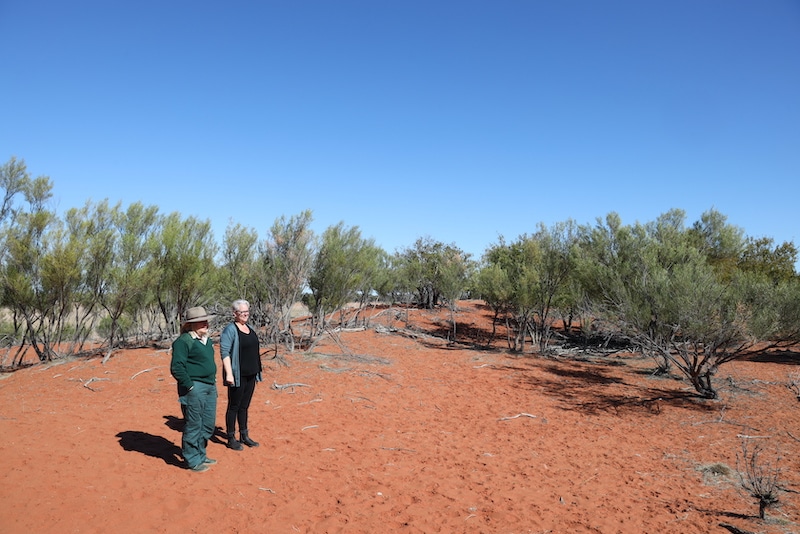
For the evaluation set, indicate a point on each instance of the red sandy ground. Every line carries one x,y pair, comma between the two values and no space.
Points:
436,438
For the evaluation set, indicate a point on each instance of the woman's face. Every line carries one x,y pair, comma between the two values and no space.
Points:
241,315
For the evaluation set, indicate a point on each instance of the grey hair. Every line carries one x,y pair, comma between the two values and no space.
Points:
239,303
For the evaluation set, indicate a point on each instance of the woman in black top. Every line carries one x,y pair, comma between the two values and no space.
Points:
241,370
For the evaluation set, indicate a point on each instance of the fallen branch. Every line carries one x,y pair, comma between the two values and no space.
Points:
293,385
722,420
93,379
397,449
144,371
335,369
386,377
518,415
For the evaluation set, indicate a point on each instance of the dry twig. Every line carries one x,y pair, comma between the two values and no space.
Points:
292,385
93,379
144,371
518,415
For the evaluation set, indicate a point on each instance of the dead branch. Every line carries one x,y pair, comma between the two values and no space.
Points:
336,339
386,377
93,379
335,369
144,371
722,419
518,415
292,385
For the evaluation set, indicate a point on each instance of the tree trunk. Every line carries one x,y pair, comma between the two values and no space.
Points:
702,384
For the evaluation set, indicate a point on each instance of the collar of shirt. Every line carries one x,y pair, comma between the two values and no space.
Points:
202,339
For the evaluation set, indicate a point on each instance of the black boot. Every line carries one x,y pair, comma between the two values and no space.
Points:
246,439
233,444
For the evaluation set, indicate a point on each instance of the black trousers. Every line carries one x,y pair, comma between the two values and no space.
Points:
239,404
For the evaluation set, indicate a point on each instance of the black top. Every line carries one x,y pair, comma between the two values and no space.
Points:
249,358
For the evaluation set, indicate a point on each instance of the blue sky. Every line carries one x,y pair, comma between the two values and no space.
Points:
456,120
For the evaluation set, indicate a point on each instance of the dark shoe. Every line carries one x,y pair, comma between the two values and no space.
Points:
247,441
199,468
209,461
233,444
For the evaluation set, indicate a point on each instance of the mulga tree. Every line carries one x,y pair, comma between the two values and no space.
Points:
456,272
345,269
518,262
620,273
429,266
26,241
721,243
377,280
128,291
555,268
284,260
435,271
238,273
774,263
661,291
393,287
493,284
770,288
92,237
15,182
184,274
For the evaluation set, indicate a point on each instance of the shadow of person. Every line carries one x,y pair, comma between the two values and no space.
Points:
150,445
174,423
219,436
177,424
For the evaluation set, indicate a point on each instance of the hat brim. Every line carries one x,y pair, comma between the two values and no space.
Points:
198,319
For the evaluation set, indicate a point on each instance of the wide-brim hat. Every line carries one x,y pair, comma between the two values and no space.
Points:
196,315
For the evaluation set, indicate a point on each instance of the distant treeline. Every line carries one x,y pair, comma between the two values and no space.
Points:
692,297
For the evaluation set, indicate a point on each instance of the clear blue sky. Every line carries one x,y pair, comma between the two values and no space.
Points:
458,120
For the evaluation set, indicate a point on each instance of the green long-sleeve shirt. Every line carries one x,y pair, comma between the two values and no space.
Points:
193,360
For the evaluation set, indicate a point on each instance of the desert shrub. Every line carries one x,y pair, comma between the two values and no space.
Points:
759,478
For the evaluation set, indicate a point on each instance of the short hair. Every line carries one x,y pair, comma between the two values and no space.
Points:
239,303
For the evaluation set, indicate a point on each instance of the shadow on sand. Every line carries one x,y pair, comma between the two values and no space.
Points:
150,445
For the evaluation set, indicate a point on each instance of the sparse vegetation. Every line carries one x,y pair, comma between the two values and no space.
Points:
691,297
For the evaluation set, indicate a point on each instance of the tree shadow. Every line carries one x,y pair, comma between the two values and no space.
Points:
575,382
153,446
785,357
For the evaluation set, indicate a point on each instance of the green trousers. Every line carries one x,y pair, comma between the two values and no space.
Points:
200,412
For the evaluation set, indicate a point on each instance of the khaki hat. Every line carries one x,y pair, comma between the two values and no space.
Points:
196,315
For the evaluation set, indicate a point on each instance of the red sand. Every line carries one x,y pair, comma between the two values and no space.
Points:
436,438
